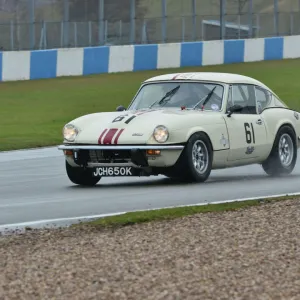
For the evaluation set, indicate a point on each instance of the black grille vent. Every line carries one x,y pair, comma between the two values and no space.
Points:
105,155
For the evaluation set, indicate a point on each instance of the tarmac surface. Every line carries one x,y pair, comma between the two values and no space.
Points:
34,189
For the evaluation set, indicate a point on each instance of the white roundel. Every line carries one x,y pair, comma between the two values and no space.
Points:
214,107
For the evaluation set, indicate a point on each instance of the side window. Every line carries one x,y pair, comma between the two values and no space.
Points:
238,94
243,95
263,98
278,102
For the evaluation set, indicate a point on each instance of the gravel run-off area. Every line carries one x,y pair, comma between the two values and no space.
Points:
252,253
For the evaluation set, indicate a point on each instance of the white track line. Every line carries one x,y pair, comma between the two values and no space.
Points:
87,218
33,153
57,221
30,149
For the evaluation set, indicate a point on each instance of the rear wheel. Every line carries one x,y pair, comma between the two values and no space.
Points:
195,162
81,176
283,156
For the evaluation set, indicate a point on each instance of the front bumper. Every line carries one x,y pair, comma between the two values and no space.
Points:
121,147
136,156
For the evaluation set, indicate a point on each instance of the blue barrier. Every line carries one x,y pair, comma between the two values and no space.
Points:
29,65
274,48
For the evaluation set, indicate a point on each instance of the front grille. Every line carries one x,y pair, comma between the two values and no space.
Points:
108,155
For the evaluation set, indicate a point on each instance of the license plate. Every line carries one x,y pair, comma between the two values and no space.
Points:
113,171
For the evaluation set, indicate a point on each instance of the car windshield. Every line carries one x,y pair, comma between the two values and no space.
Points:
177,94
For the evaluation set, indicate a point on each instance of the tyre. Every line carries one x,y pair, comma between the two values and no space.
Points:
81,176
195,162
283,156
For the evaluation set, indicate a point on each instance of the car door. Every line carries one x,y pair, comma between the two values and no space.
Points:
246,129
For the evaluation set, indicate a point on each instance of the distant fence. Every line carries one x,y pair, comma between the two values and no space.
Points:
52,24
38,64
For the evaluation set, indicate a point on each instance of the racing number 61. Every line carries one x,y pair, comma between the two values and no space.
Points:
250,136
120,118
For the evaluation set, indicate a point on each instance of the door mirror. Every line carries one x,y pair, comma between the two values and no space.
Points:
120,108
235,108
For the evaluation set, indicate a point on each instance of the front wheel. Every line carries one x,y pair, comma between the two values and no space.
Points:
283,156
195,163
81,176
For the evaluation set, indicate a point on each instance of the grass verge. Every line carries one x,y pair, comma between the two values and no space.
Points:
33,112
132,218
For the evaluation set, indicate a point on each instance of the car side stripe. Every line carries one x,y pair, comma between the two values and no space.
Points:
118,135
101,136
109,136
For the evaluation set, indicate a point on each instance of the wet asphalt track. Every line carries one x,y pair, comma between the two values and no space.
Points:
34,186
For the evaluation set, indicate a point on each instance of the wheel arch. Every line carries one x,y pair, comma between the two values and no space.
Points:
275,123
288,124
214,132
184,168
271,165
279,126
200,130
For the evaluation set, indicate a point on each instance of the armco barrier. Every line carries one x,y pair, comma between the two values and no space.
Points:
29,65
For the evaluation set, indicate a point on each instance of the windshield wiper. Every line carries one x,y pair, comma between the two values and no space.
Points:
205,98
168,94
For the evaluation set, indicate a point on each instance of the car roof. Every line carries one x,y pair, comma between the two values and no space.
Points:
208,76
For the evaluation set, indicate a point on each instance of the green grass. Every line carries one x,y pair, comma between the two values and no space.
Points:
132,218
33,113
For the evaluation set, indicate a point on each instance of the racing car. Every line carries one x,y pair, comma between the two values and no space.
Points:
183,126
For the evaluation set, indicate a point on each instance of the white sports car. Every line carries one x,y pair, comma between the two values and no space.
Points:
183,126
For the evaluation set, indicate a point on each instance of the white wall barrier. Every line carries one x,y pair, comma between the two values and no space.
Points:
30,65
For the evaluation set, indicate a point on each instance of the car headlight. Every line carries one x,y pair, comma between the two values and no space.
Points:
161,134
70,132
